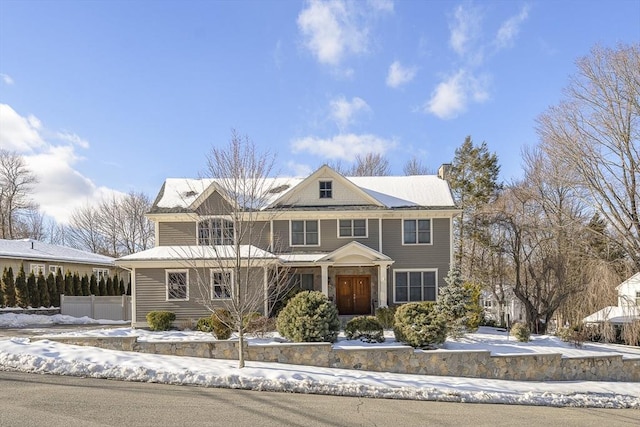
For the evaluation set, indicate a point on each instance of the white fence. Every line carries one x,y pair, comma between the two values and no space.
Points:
110,308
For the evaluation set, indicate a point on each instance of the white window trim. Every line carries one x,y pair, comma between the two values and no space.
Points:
208,219
166,284
409,270
430,231
54,269
366,228
104,271
219,270
320,190
36,269
305,233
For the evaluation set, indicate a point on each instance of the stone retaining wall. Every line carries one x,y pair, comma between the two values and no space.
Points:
405,360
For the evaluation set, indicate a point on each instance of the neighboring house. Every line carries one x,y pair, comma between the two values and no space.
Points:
628,308
365,242
38,257
493,310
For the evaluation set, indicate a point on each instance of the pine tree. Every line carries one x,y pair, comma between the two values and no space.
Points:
22,292
9,287
453,302
43,291
93,285
32,291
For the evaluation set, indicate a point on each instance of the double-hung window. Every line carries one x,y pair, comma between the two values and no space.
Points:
305,233
36,269
415,285
416,231
352,228
215,231
326,190
177,285
221,284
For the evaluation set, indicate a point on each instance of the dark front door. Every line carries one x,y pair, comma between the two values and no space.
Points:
353,294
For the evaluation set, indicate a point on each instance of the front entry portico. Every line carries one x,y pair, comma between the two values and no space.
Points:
353,294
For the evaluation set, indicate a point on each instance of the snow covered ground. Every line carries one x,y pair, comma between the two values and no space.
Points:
48,357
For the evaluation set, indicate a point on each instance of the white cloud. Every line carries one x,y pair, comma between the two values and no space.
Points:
452,96
343,146
299,169
61,187
510,28
334,29
343,111
399,75
18,133
6,79
465,28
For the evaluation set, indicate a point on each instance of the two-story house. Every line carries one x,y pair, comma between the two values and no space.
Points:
628,308
365,242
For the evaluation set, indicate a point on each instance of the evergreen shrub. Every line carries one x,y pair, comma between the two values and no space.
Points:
160,320
385,316
364,328
204,325
420,325
221,323
309,317
521,332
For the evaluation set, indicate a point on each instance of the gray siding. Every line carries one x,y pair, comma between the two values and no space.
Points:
260,236
176,233
214,205
329,240
436,255
151,291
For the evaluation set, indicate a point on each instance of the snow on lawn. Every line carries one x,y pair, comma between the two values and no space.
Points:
48,357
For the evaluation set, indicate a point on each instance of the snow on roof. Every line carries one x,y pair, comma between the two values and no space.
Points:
178,253
29,249
391,191
614,314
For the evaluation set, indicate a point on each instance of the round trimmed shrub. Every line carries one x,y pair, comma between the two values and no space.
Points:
160,320
221,322
364,328
419,324
309,317
385,316
204,325
521,332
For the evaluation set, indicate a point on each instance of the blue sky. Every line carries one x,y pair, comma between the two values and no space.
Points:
103,96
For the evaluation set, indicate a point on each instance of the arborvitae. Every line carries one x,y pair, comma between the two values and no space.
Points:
22,293
68,284
43,290
2,290
54,296
121,290
84,284
109,285
9,287
60,279
93,285
32,291
77,285
129,287
102,287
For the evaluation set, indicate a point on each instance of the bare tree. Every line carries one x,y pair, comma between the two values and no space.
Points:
232,225
370,164
415,167
85,230
16,183
595,133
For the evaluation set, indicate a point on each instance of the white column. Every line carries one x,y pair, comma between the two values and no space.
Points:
382,285
324,268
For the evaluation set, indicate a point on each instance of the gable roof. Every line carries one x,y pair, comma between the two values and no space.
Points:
393,192
34,250
631,281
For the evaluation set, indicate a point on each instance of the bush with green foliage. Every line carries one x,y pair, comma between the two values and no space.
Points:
364,328
204,325
221,324
521,332
160,320
309,317
459,304
420,325
385,316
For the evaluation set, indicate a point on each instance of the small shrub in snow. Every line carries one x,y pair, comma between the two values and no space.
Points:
385,316
309,317
260,325
521,332
204,325
420,325
221,323
160,320
364,328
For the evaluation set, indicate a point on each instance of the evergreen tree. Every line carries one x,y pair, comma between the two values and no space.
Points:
68,284
2,303
102,287
110,290
32,291
453,302
54,296
77,285
128,292
84,286
22,292
43,290
9,287
93,285
60,286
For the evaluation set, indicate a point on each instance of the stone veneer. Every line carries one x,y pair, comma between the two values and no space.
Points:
405,360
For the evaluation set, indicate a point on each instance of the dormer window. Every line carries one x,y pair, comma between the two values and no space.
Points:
215,231
326,190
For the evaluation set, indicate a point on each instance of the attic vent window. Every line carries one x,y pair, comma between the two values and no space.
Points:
326,190
278,189
190,193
